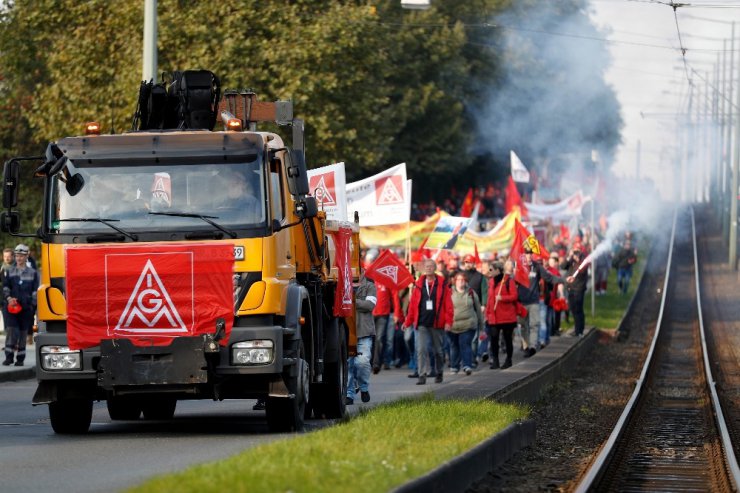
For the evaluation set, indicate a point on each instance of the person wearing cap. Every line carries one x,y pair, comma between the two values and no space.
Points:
19,292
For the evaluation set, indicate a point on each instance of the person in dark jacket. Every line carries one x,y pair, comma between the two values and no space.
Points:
529,296
501,311
623,261
20,283
577,282
431,312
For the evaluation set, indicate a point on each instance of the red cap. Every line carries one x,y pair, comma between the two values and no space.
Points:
469,258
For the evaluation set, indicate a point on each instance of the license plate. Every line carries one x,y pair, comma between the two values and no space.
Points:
238,252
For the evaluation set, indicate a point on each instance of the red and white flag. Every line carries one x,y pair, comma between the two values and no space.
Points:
343,301
328,184
148,294
389,271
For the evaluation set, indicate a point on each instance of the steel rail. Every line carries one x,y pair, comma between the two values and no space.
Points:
718,414
599,465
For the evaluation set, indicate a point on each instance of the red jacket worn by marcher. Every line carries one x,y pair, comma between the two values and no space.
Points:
386,296
444,312
505,311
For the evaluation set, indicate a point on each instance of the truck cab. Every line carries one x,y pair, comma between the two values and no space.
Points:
182,263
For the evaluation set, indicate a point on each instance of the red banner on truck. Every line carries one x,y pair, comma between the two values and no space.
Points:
149,294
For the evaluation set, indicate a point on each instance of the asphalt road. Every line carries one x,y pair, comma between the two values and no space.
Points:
120,454
116,455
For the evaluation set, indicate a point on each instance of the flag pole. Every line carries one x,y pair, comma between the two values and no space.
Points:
593,267
408,242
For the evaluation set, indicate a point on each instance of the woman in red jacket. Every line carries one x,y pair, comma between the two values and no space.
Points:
501,311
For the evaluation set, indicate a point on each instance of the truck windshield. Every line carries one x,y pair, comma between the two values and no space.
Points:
159,198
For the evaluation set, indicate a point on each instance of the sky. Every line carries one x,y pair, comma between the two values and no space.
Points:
651,79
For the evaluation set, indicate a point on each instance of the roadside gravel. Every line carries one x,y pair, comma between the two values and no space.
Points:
578,414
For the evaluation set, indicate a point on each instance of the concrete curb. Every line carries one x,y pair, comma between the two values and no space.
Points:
464,470
531,388
20,374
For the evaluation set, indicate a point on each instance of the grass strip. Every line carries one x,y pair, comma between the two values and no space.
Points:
376,450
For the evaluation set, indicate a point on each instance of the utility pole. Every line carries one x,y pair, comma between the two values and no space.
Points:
735,169
149,69
723,140
728,139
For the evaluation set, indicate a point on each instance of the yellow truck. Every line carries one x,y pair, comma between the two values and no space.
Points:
179,262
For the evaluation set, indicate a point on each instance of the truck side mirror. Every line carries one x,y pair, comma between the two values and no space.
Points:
307,208
10,222
297,174
11,181
74,184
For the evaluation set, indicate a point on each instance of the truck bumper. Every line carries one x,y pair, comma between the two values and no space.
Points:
184,362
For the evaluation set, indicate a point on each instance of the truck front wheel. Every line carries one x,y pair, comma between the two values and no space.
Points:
328,396
285,414
71,416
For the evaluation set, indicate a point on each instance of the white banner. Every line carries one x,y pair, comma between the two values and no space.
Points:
328,185
381,199
518,171
560,211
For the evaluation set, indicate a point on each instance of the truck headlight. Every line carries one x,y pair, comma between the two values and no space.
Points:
60,358
256,352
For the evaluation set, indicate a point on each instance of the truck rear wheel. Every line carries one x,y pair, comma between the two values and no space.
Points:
71,416
328,397
285,414
121,408
159,408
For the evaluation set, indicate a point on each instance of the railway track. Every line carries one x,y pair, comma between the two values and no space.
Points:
672,434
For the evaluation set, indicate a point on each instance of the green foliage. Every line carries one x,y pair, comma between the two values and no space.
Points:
376,84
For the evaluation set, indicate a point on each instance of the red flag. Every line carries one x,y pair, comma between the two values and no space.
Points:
513,199
149,294
467,206
343,304
421,253
521,271
564,233
475,249
389,271
524,239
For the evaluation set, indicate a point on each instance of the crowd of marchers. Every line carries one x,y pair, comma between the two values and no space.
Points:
463,314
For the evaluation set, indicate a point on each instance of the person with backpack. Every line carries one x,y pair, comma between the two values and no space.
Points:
501,311
467,319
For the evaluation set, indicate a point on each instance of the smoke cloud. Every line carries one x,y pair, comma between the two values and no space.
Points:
552,106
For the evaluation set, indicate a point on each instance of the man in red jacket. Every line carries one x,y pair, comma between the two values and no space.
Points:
430,311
